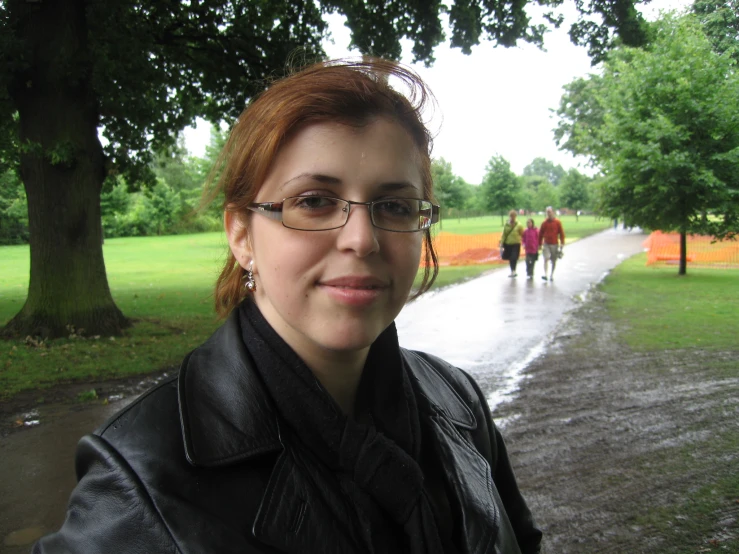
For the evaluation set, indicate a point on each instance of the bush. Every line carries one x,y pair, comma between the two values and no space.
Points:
13,210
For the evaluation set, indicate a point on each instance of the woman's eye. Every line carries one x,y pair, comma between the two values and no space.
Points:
313,202
395,206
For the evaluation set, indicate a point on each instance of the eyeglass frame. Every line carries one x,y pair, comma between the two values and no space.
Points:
273,210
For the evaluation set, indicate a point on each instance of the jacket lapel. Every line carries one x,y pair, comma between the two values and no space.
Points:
227,418
468,474
225,414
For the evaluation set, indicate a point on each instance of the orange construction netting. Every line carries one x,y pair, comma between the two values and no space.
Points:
664,248
467,249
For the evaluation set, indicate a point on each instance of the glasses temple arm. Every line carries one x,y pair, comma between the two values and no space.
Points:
272,210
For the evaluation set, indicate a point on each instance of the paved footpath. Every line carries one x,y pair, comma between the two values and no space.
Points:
491,326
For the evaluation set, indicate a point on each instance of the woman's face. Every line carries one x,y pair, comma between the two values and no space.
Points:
530,224
334,291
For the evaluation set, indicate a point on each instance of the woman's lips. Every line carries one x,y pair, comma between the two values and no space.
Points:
354,290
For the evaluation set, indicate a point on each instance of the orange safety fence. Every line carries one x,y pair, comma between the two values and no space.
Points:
466,249
664,248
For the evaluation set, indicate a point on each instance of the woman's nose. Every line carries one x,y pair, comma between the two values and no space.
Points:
359,234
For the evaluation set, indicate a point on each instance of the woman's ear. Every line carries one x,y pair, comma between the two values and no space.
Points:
238,237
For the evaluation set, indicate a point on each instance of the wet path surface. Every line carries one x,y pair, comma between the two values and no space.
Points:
493,325
490,326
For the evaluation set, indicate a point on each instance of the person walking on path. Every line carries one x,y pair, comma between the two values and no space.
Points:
552,241
531,247
511,241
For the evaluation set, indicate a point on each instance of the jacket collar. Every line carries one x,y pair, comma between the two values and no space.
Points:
226,413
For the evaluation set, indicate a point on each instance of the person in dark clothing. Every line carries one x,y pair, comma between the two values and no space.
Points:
301,426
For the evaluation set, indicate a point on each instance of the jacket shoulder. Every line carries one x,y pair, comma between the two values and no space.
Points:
449,389
157,408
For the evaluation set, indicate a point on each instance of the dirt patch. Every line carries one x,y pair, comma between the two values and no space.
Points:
611,446
21,411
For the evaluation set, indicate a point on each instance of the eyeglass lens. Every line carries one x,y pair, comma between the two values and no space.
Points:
323,213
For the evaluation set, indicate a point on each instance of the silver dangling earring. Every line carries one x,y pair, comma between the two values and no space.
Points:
250,285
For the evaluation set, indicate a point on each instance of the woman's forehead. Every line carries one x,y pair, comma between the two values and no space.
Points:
334,156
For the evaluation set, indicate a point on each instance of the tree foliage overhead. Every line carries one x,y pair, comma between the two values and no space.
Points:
157,64
154,66
663,125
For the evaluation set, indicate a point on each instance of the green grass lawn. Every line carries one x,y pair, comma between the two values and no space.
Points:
657,310
660,310
165,284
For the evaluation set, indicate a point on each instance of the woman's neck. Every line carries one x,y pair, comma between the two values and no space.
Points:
339,374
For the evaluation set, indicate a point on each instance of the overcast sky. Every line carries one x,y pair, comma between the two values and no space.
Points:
494,101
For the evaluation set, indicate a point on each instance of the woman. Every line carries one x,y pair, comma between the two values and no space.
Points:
531,247
301,425
510,242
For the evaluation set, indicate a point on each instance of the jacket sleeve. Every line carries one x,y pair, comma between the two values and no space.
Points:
528,535
109,510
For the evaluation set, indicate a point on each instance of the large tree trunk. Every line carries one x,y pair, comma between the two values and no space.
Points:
683,254
62,168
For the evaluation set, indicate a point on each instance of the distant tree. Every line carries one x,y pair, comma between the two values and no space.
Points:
13,209
668,139
115,201
476,200
173,165
573,191
500,186
545,168
525,197
546,195
529,188
163,205
450,190
205,164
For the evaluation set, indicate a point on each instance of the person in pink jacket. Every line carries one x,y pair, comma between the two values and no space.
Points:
530,241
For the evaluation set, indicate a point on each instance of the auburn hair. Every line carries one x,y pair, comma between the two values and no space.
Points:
348,92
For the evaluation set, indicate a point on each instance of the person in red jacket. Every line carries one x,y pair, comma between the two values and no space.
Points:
552,241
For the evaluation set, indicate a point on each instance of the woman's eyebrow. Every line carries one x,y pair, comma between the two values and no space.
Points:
398,186
318,177
392,186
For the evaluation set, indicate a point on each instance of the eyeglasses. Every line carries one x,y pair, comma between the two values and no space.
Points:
323,213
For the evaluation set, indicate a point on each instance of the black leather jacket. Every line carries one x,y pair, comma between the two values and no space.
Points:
201,464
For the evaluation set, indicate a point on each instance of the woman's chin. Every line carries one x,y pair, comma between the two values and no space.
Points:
350,338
